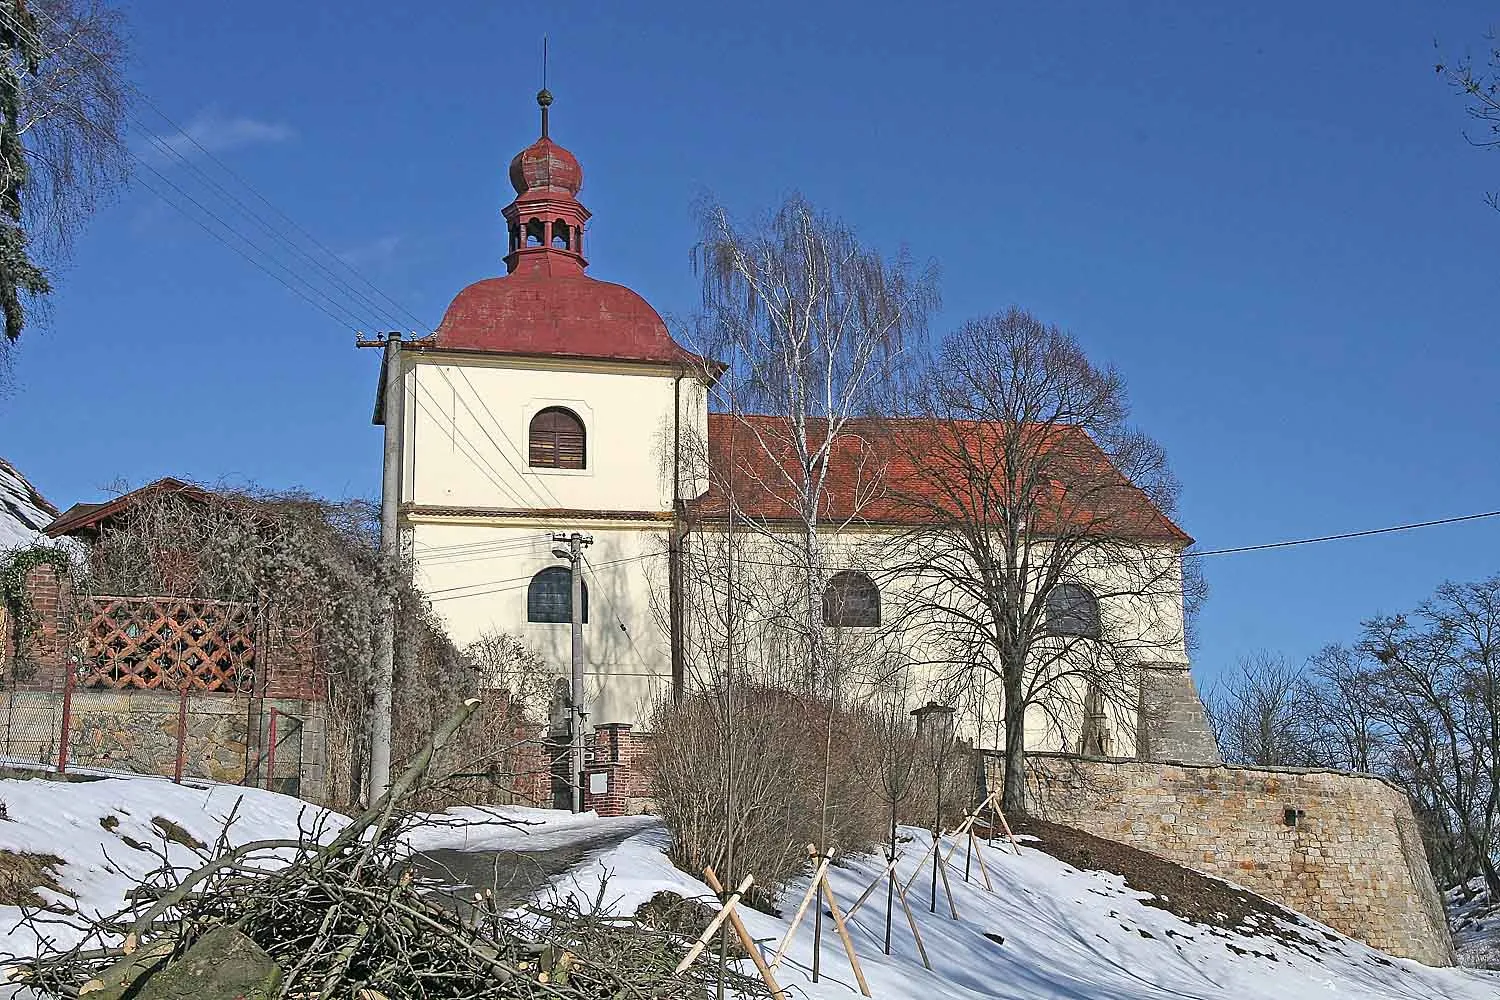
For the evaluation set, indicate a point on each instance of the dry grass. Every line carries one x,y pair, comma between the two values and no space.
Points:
21,875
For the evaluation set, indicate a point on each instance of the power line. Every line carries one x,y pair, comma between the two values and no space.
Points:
600,592
1347,534
555,502
326,310
164,146
470,450
341,286
518,581
466,548
525,481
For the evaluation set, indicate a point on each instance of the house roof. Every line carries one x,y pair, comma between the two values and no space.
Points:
24,512
890,472
87,518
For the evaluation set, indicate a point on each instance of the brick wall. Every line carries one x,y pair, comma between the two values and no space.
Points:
1349,854
617,767
287,659
39,663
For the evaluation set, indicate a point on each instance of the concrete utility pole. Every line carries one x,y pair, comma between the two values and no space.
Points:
385,641
574,554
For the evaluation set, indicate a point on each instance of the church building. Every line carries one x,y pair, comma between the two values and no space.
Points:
549,402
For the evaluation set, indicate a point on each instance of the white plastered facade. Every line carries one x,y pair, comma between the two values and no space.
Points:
479,522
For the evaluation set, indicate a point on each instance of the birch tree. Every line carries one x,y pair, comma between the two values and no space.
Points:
811,324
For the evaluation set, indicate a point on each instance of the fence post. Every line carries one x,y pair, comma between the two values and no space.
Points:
271,753
67,719
182,696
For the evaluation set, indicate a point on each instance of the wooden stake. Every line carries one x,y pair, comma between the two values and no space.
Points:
917,872
983,870
746,940
1012,837
890,866
807,897
911,922
943,871
838,922
724,911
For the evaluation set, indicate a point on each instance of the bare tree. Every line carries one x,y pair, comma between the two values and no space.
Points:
62,139
1350,731
1263,714
1435,679
1043,547
1479,85
504,662
810,323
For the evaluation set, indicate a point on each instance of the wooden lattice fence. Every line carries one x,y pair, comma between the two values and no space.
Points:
170,643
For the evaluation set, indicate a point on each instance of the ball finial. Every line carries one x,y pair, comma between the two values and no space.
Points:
544,98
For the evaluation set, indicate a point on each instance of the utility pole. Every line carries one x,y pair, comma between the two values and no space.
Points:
385,640
675,541
574,554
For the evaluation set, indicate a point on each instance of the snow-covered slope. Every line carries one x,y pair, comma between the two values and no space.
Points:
23,511
1063,934
1067,935
90,826
1475,919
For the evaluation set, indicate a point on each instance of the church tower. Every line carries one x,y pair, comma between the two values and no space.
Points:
549,401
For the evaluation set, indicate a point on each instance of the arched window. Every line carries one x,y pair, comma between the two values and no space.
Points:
556,439
549,596
560,235
536,233
1073,610
851,600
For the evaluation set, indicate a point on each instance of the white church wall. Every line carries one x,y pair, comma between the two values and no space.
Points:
467,422
466,429
476,574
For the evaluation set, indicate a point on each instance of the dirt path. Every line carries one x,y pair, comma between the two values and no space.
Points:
513,876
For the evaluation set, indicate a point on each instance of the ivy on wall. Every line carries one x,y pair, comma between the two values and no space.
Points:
14,568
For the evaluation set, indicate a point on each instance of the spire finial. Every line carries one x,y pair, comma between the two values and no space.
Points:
544,96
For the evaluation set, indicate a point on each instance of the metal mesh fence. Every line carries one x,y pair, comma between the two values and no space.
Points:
31,728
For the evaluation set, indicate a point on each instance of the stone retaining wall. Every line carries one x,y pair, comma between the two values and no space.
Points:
1342,848
136,731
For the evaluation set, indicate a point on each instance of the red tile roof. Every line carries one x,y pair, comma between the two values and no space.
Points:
889,472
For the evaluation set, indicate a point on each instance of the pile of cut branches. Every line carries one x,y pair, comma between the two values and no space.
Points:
348,918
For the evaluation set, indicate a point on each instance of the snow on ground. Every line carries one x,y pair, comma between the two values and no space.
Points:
1476,926
1067,934
71,821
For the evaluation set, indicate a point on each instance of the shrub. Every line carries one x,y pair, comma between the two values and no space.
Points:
742,790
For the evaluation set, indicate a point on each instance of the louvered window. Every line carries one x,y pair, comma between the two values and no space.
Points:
556,439
549,597
1073,611
851,600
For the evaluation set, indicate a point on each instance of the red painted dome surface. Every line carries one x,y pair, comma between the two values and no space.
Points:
566,316
547,305
545,166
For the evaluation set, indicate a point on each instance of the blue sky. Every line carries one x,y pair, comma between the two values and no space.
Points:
1265,215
